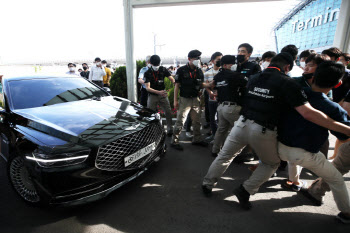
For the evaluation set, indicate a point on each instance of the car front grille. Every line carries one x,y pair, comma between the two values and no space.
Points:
110,157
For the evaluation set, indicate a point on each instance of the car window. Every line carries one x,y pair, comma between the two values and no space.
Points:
33,93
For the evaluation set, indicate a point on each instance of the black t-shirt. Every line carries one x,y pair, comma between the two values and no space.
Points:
347,97
231,86
295,131
248,68
190,81
268,94
85,74
156,78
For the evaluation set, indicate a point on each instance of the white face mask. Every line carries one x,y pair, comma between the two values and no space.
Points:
98,63
72,69
234,67
302,64
104,65
339,62
265,64
155,68
196,63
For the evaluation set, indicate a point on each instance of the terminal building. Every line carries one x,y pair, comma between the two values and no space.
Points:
317,25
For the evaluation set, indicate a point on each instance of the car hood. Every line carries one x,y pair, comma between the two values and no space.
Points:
89,122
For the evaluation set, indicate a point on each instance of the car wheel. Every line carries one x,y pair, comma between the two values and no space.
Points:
22,181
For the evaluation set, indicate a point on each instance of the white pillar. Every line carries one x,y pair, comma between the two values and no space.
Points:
129,50
342,33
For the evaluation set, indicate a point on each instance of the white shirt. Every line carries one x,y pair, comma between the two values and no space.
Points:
209,76
73,73
96,73
296,71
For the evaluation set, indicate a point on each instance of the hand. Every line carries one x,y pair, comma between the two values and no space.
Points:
176,104
163,93
212,96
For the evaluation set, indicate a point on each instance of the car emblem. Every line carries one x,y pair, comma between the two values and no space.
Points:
132,127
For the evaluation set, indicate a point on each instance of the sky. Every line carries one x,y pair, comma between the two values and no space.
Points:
35,31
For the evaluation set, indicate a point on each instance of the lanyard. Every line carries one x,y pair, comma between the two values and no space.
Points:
156,78
272,67
195,73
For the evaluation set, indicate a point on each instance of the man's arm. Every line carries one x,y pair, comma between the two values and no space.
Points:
90,74
319,118
151,90
172,80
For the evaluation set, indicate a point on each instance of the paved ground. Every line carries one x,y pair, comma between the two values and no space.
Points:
168,198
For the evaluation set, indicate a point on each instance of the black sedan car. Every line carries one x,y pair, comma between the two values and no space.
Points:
67,141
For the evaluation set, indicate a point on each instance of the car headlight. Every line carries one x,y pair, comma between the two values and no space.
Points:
159,118
59,160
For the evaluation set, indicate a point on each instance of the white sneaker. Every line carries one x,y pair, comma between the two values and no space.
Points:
189,135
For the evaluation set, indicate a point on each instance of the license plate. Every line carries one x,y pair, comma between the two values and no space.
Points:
139,154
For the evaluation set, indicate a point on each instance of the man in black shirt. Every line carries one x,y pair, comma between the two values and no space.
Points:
230,86
244,66
189,80
85,73
268,93
154,82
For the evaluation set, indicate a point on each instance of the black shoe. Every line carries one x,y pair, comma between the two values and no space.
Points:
176,146
169,133
209,133
214,154
206,125
206,191
243,197
200,143
343,218
306,193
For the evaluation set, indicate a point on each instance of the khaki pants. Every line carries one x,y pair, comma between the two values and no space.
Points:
155,100
227,115
341,162
188,106
318,164
263,143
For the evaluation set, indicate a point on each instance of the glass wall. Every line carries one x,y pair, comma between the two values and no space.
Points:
311,27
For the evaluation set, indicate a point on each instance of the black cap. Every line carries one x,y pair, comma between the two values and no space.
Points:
228,59
287,57
194,54
155,60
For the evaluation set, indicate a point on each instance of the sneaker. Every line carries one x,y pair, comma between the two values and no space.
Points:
297,188
214,154
200,143
243,197
343,218
189,135
170,133
313,199
206,191
176,146
292,186
210,138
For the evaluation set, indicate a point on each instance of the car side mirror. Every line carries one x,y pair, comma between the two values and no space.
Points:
3,115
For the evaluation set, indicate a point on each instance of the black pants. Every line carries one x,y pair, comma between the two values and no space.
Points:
98,83
206,101
144,97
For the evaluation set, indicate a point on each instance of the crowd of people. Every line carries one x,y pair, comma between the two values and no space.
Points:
99,73
271,108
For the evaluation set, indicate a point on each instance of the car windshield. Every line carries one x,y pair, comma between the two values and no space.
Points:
33,93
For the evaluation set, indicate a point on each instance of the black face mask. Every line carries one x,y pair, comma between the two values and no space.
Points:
308,76
84,68
240,58
218,63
